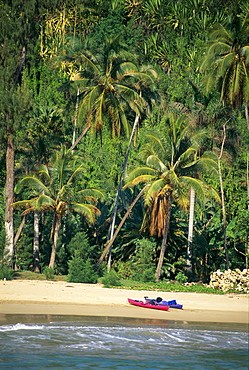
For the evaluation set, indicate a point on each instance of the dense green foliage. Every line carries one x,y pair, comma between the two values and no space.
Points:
84,85
81,268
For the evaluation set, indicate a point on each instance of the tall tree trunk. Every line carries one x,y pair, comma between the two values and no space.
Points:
110,243
75,117
9,198
223,198
36,258
115,207
164,241
10,174
56,230
190,234
246,115
84,132
18,233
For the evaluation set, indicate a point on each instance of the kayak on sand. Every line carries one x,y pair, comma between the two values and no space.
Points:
159,301
138,303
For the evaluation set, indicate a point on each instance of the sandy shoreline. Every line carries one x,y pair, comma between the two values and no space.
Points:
33,297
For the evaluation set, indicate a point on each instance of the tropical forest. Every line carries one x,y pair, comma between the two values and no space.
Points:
124,141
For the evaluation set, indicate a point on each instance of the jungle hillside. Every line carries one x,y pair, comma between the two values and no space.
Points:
124,138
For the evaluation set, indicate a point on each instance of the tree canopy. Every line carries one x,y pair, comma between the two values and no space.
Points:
86,88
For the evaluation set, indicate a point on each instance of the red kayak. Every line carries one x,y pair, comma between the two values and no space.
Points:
138,303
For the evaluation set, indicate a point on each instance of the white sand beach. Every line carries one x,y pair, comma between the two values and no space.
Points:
32,297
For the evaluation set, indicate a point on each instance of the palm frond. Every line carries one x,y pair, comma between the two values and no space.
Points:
213,194
89,101
183,201
32,183
220,33
219,48
93,194
89,211
44,172
127,69
226,63
28,203
138,180
90,61
124,121
154,162
174,180
156,140
75,174
198,137
154,188
44,201
141,171
208,164
245,53
196,184
185,156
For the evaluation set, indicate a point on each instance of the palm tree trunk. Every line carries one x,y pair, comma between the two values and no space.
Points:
55,240
84,132
36,259
110,243
18,233
10,175
9,198
164,241
247,115
76,116
223,198
190,234
115,207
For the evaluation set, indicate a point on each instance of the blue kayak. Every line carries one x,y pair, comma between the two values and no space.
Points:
159,301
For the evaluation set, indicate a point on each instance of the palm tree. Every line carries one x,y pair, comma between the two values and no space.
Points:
113,85
170,170
109,83
43,126
54,189
113,89
227,62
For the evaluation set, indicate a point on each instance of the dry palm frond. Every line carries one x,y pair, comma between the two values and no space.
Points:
158,213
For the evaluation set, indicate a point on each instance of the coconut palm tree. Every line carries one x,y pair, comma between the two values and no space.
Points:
170,172
227,66
54,189
109,82
112,89
227,62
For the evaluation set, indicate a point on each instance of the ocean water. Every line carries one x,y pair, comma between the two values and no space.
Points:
67,342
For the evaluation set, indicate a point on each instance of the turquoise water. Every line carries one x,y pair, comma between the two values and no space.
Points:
106,343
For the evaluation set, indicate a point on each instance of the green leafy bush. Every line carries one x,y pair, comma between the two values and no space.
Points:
81,271
49,273
5,272
141,263
148,275
181,278
110,279
80,243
